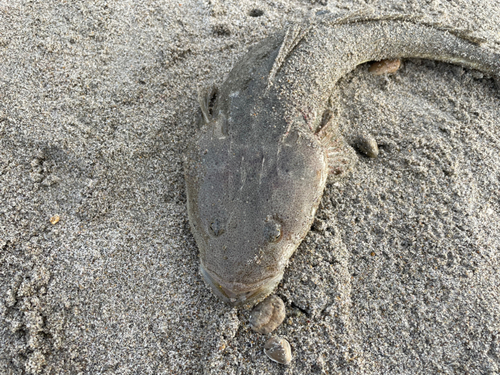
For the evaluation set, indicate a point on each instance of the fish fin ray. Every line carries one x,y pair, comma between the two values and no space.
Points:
341,156
293,36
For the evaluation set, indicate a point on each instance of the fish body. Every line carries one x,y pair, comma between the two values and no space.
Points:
256,171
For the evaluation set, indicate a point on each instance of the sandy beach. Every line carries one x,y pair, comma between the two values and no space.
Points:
98,267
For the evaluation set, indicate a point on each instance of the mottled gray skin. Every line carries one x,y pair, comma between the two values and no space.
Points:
256,172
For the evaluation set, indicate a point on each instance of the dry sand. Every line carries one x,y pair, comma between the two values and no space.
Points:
97,104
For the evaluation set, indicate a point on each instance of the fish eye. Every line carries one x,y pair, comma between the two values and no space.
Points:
272,230
217,227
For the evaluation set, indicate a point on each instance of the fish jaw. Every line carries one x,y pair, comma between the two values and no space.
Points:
237,294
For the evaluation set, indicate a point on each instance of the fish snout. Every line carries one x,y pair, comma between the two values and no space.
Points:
237,293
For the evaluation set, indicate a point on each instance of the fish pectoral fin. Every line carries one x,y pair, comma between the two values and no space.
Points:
341,156
206,99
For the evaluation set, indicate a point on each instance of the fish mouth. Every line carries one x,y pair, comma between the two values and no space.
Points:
239,294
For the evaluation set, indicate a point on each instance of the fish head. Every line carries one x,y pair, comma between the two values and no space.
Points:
250,205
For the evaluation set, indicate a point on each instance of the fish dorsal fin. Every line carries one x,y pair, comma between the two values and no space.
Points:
294,34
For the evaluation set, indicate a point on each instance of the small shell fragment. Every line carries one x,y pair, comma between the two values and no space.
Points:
385,66
278,350
268,315
367,144
55,219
